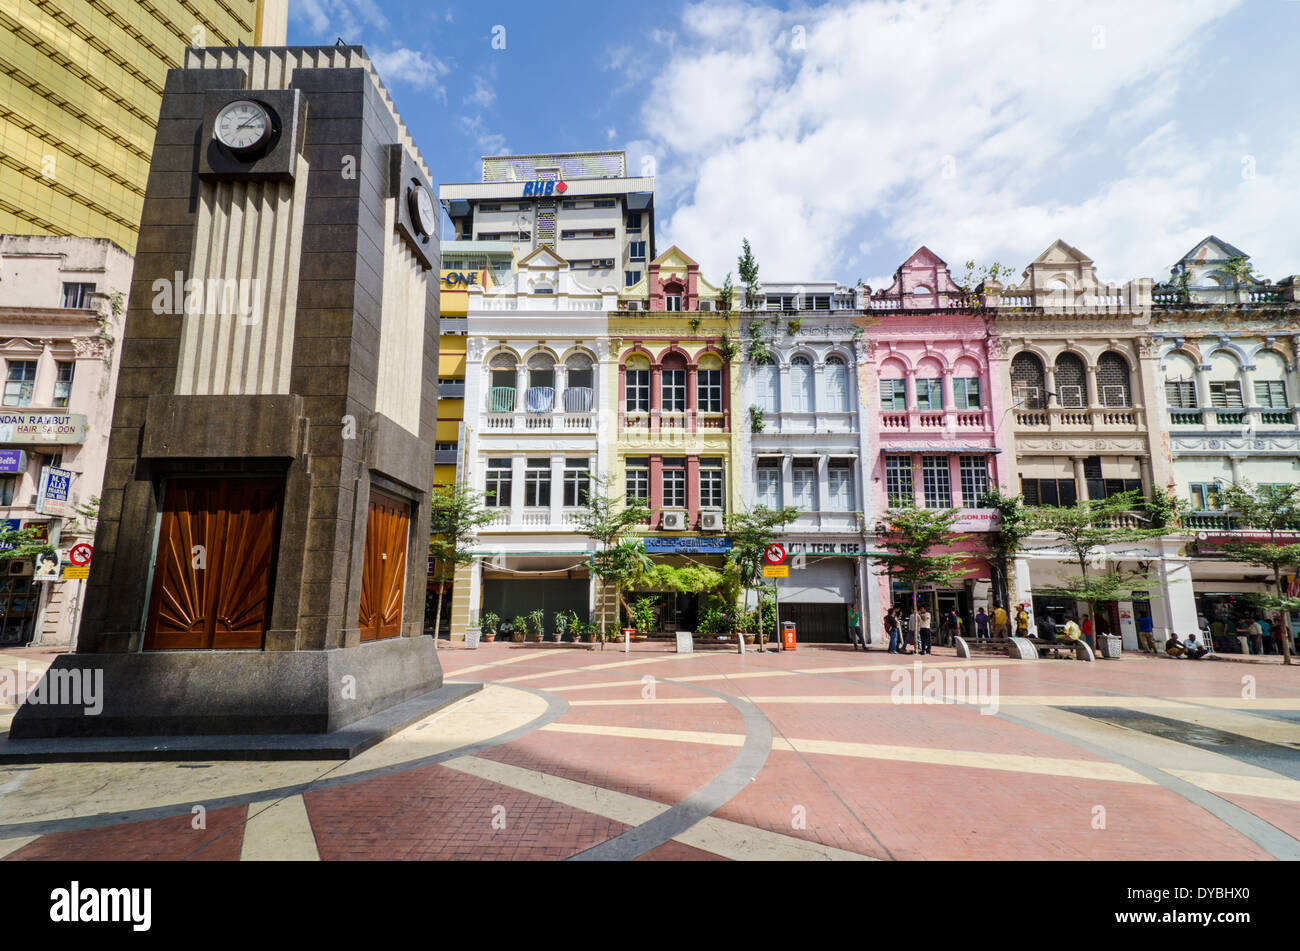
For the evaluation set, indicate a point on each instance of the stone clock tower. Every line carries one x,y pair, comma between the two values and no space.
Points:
261,556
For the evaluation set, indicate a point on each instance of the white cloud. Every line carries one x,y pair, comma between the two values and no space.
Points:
410,67
483,95
488,143
985,131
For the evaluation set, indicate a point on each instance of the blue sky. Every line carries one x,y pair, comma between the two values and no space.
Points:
839,137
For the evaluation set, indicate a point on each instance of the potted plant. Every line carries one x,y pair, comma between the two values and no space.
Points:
643,615
537,623
489,626
521,628
561,625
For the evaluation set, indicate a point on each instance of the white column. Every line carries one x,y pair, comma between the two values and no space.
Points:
517,470
787,477
823,486
1021,593
1203,388
1175,610
557,491
873,624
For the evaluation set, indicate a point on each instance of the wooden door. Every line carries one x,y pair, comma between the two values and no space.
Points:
214,564
383,578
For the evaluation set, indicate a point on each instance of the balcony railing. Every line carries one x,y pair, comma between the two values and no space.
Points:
928,421
501,399
1234,416
1095,418
535,517
451,391
690,421
827,522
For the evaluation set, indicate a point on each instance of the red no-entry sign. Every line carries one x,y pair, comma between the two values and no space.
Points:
774,554
80,554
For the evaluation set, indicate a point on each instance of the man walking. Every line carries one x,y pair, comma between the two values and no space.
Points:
892,630
926,632
981,625
1146,631
855,629
1022,621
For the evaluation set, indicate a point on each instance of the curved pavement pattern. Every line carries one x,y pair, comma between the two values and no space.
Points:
815,754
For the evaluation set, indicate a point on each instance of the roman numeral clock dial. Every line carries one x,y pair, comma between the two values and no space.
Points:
243,126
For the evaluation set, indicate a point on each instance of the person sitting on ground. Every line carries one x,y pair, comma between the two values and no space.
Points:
1174,647
1195,650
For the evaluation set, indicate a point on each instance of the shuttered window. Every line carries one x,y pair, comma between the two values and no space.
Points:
1225,394
966,392
837,385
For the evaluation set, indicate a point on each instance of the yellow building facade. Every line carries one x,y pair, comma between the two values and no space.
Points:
80,87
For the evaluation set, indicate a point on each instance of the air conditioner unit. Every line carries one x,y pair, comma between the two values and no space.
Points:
674,521
711,521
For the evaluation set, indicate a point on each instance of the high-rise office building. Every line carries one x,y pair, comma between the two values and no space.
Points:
582,205
80,87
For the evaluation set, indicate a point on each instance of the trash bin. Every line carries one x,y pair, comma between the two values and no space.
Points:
471,638
1111,645
788,640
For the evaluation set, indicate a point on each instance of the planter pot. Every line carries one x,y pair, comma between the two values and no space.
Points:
489,638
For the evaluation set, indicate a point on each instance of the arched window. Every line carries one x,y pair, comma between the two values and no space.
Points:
801,384
837,384
540,396
1071,381
502,377
1113,380
637,384
708,384
1270,380
1225,381
1180,381
1027,382
767,391
673,386
578,383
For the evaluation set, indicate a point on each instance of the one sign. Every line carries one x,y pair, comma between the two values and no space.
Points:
542,189
80,554
686,545
460,278
75,572
685,643
776,571
13,461
49,567
52,495
43,429
774,554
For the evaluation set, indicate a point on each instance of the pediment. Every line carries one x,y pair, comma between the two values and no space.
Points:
542,257
1060,253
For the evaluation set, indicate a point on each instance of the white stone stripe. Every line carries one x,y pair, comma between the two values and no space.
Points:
10,846
610,666
477,667
279,832
732,840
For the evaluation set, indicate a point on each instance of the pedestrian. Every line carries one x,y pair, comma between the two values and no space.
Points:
1266,630
1256,634
954,627
855,629
892,630
1000,622
1022,621
1243,635
926,631
1086,627
1146,638
913,632
981,624
1219,634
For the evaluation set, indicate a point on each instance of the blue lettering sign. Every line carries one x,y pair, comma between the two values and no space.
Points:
679,545
538,189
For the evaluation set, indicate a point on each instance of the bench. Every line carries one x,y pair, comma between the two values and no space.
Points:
1079,648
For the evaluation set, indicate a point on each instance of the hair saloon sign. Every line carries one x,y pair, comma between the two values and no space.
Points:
42,429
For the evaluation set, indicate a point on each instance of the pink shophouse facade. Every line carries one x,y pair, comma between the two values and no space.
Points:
936,417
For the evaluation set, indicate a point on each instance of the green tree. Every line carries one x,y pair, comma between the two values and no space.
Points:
910,536
1269,510
1087,529
1003,545
971,285
751,532
607,518
726,295
1239,270
747,267
22,544
456,514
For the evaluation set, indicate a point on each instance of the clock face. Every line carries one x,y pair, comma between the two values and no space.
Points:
243,125
422,209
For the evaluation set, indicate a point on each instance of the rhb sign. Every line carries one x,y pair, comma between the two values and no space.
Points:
542,189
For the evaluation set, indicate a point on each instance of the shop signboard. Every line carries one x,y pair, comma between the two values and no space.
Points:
687,545
18,428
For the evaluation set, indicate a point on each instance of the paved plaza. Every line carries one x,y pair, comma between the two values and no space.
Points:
821,753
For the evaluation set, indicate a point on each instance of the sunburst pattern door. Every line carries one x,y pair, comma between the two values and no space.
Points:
383,579
215,559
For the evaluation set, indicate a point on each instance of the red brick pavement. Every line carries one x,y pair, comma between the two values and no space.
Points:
170,839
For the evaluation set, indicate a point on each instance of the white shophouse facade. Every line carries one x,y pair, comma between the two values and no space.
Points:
537,363
810,451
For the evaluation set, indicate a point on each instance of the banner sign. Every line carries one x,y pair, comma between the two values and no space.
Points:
52,497
42,429
1208,540
13,461
679,545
